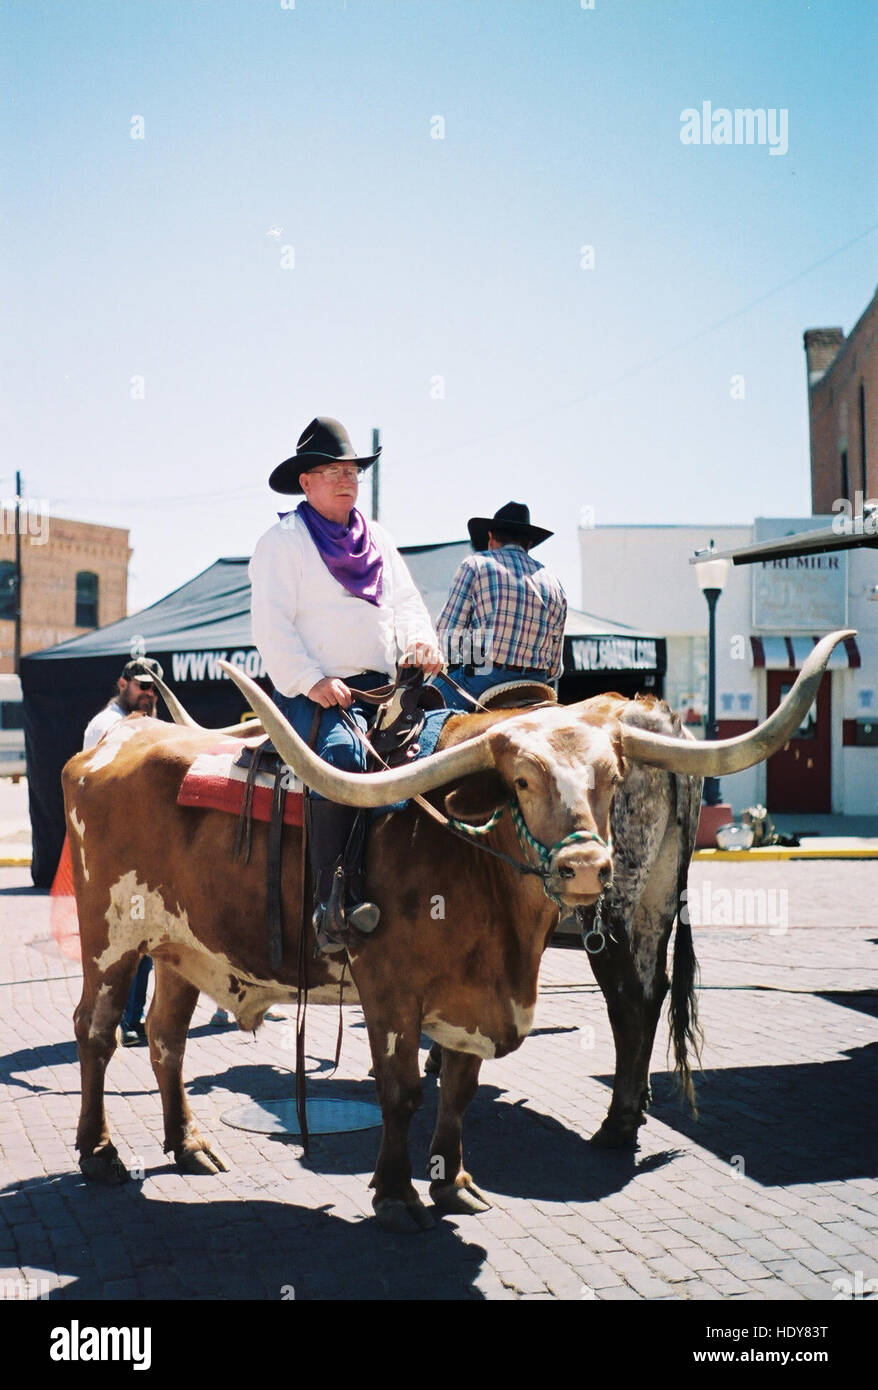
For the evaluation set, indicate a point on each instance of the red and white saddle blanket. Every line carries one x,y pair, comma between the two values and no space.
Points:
214,782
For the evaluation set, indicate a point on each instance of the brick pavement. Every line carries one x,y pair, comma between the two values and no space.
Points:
772,1194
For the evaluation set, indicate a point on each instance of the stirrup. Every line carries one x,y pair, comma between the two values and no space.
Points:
329,942
364,917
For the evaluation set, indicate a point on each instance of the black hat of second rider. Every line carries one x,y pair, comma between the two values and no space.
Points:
323,441
511,520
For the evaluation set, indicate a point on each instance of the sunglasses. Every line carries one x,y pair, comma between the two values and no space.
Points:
144,685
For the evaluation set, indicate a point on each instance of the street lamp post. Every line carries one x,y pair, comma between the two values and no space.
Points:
711,578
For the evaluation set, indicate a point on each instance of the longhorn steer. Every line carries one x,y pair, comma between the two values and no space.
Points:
152,876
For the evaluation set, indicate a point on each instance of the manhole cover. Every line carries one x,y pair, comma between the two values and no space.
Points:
324,1116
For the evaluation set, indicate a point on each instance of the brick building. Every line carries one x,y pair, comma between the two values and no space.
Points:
843,411
74,578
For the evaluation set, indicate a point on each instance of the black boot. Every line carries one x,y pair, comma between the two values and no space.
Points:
337,835
364,916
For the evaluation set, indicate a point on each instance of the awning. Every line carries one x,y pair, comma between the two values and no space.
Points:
846,533
789,653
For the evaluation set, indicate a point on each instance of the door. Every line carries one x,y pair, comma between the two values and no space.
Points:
798,775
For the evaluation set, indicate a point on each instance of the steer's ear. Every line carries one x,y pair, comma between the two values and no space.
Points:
477,797
619,749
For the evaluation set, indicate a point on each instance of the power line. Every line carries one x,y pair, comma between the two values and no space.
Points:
650,362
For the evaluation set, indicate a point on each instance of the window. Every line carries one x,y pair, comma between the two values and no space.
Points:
86,599
11,714
7,589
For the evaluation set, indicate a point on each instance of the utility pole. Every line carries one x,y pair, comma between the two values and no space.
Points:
17,647
376,480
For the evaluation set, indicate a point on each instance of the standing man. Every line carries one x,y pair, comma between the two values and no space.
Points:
334,611
135,694
504,616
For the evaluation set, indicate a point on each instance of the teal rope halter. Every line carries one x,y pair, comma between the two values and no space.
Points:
595,934
476,831
544,853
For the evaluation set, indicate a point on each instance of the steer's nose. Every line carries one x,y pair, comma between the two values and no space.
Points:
583,870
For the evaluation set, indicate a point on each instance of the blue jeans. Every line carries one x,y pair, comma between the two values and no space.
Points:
477,684
335,742
132,1014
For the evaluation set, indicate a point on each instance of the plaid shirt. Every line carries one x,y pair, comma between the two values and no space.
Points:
507,608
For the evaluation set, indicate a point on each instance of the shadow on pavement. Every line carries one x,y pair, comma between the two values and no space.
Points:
507,1148
32,1059
510,1148
811,1123
866,1001
229,1249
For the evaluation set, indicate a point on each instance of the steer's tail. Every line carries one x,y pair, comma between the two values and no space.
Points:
685,1029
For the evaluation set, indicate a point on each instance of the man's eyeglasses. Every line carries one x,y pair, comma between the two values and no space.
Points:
144,685
334,471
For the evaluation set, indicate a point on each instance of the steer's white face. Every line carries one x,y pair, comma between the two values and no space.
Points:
564,772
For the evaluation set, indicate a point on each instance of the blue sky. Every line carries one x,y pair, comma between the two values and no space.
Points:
417,258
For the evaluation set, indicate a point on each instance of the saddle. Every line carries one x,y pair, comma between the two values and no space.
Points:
518,695
399,721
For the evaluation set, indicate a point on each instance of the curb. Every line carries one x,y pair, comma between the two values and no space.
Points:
775,852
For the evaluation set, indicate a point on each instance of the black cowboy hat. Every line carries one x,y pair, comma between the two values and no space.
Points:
323,441
511,520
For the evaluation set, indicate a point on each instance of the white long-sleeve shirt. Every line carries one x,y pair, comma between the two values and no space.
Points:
103,720
308,626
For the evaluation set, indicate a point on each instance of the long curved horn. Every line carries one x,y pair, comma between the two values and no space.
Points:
720,758
175,709
363,789
249,729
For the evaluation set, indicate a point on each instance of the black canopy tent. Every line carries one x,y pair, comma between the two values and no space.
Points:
64,686
208,618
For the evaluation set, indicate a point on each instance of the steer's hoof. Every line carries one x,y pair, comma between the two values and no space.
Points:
105,1167
402,1218
201,1162
463,1200
612,1135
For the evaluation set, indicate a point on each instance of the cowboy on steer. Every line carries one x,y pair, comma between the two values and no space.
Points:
504,616
334,609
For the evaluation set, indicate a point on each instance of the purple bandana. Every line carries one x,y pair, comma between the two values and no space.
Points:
349,552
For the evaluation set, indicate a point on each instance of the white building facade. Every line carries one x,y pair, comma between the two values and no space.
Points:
767,619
